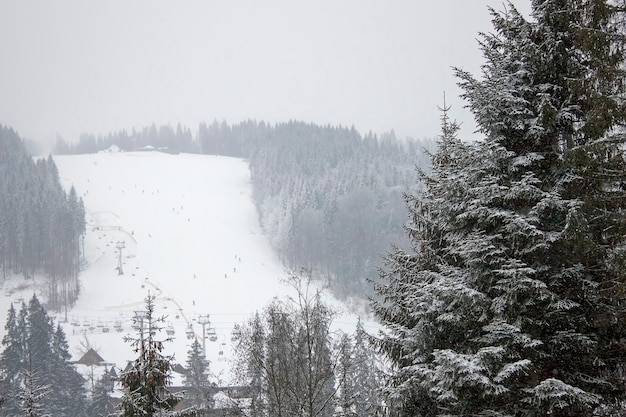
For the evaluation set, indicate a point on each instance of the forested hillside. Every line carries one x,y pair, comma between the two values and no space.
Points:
40,224
330,200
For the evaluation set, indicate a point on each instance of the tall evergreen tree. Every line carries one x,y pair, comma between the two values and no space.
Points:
346,383
69,393
509,302
33,394
196,377
34,357
101,404
146,383
13,359
366,378
39,340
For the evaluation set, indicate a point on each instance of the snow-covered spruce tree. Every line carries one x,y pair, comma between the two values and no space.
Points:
196,378
101,404
345,381
357,376
13,359
69,397
365,375
30,344
145,384
32,394
511,299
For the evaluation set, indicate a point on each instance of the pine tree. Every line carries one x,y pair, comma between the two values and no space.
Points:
508,302
366,379
69,394
101,404
33,394
145,384
39,330
346,384
196,377
13,358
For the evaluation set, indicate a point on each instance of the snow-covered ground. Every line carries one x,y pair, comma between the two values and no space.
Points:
191,238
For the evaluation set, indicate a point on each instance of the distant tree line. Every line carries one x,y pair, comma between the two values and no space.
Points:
178,140
41,226
328,198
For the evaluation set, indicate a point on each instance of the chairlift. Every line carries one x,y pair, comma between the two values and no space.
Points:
190,333
118,326
170,330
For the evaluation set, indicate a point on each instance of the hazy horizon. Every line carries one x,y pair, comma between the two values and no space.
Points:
75,67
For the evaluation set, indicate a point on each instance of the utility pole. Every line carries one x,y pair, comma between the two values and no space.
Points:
120,245
204,321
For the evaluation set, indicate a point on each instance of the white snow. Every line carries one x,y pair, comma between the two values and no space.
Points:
191,237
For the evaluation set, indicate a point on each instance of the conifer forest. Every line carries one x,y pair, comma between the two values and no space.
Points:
495,268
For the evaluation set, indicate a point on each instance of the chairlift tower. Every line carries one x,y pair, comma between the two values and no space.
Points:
204,321
120,245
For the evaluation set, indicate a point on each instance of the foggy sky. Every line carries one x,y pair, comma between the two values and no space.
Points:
68,67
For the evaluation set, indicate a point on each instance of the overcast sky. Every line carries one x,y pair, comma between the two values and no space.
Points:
68,67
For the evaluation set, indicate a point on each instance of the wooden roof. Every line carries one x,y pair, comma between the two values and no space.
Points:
91,357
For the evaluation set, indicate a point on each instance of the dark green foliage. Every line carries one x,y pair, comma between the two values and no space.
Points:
36,356
145,384
101,404
510,301
69,388
13,357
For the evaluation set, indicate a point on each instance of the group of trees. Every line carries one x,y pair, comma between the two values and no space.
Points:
37,376
292,364
38,379
328,198
163,137
512,300
41,225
